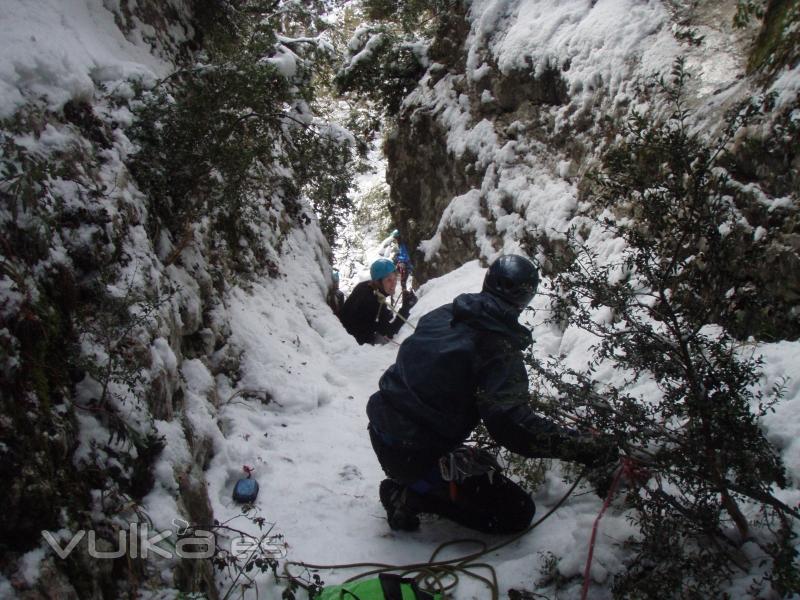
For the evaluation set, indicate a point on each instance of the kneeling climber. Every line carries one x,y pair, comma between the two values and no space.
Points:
462,365
366,314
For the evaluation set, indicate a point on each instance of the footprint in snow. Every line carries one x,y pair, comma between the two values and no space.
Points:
350,472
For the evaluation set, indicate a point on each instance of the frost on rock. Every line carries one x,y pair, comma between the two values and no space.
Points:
68,55
557,74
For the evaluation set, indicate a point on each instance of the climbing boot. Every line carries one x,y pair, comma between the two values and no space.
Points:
394,498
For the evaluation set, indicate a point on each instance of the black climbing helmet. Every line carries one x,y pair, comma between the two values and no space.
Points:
513,278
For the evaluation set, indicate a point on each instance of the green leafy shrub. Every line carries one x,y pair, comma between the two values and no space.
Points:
656,312
385,45
232,140
383,66
746,10
411,16
668,179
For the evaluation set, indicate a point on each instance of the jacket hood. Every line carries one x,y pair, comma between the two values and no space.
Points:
487,312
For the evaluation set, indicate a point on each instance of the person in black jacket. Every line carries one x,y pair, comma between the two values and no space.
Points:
365,314
462,365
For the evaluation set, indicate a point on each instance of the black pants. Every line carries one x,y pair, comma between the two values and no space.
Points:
488,504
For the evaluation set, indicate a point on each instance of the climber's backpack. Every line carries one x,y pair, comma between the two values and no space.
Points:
385,587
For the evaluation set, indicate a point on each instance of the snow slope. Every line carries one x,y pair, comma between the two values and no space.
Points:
312,457
319,477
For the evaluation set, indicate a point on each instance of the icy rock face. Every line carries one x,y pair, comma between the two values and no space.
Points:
464,121
423,178
101,424
492,148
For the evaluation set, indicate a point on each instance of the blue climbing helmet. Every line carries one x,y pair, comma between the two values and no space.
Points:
335,275
513,278
381,268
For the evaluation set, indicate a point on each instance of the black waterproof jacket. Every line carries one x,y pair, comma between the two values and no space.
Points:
463,364
364,315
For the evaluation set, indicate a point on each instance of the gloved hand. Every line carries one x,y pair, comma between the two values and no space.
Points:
592,450
601,450
602,478
409,299
600,454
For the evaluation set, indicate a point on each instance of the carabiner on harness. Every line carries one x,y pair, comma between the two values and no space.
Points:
465,462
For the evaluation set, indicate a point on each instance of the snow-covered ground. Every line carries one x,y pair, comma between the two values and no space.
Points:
313,460
319,477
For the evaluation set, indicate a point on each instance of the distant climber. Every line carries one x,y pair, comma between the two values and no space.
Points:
403,261
335,295
395,250
388,247
462,365
366,314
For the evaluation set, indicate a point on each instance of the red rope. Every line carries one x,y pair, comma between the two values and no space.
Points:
624,467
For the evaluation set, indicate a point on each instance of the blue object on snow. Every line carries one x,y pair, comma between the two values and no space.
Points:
245,490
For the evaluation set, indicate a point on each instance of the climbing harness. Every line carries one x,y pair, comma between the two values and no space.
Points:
464,462
436,575
467,461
